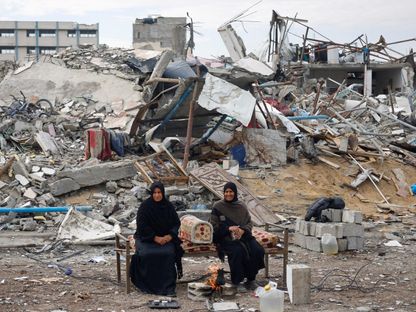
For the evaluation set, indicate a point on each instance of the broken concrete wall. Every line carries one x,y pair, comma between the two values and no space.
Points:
46,80
264,146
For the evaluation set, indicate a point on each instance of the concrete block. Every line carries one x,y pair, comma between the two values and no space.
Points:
313,243
298,283
329,228
355,243
342,244
307,228
300,240
297,225
351,216
334,215
352,229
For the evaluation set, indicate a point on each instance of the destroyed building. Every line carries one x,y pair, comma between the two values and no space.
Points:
21,40
160,33
86,130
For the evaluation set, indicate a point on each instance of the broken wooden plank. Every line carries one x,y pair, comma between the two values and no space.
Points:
403,189
328,162
214,178
371,179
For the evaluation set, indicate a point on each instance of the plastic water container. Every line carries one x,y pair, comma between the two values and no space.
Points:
271,299
329,244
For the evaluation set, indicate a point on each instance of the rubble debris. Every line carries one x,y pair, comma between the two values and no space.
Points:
78,228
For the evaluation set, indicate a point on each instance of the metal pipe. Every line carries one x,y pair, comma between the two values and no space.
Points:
43,209
307,117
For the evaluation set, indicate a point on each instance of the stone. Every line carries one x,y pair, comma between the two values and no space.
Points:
20,168
355,243
313,243
111,186
63,186
48,171
351,216
352,229
29,225
35,168
2,184
363,309
22,180
29,193
298,283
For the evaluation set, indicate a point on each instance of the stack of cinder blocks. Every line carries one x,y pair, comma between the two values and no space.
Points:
345,225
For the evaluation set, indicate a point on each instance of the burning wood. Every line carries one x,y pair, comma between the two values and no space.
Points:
216,279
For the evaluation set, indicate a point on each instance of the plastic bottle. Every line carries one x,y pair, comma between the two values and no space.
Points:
329,244
271,299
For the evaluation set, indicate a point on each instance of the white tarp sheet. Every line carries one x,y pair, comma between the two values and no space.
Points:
78,227
254,66
227,99
275,113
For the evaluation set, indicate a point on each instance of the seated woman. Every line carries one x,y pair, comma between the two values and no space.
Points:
158,247
232,233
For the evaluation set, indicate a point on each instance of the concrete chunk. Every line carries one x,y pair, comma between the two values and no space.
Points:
22,180
29,193
97,174
63,186
298,283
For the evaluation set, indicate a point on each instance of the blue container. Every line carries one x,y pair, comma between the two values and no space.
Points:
239,154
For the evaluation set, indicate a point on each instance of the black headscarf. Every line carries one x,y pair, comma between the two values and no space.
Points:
233,187
161,187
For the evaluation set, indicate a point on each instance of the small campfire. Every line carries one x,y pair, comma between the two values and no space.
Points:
216,279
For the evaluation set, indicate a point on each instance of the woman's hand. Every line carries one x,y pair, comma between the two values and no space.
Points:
162,240
236,231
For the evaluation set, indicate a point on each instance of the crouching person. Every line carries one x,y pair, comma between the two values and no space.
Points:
157,262
232,234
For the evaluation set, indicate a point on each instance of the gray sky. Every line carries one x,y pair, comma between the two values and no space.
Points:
341,21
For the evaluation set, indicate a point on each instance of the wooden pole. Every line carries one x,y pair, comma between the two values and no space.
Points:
190,125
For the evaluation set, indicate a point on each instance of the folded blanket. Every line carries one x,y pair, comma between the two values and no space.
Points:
195,230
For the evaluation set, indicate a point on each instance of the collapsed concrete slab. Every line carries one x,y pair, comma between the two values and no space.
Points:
97,174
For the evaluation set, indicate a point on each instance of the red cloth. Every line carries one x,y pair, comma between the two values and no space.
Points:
97,144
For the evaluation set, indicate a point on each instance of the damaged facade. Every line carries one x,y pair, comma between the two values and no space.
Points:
160,33
24,40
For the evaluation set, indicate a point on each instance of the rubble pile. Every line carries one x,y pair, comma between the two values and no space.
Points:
93,116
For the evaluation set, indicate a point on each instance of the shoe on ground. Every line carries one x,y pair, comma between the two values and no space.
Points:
251,285
239,288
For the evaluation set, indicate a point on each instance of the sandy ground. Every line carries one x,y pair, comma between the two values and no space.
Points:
378,278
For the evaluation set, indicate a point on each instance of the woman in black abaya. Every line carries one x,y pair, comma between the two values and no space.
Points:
157,261
232,233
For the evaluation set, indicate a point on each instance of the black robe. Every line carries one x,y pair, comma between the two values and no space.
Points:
245,255
153,268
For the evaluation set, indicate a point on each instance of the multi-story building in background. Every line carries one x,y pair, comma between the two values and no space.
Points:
20,40
160,33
